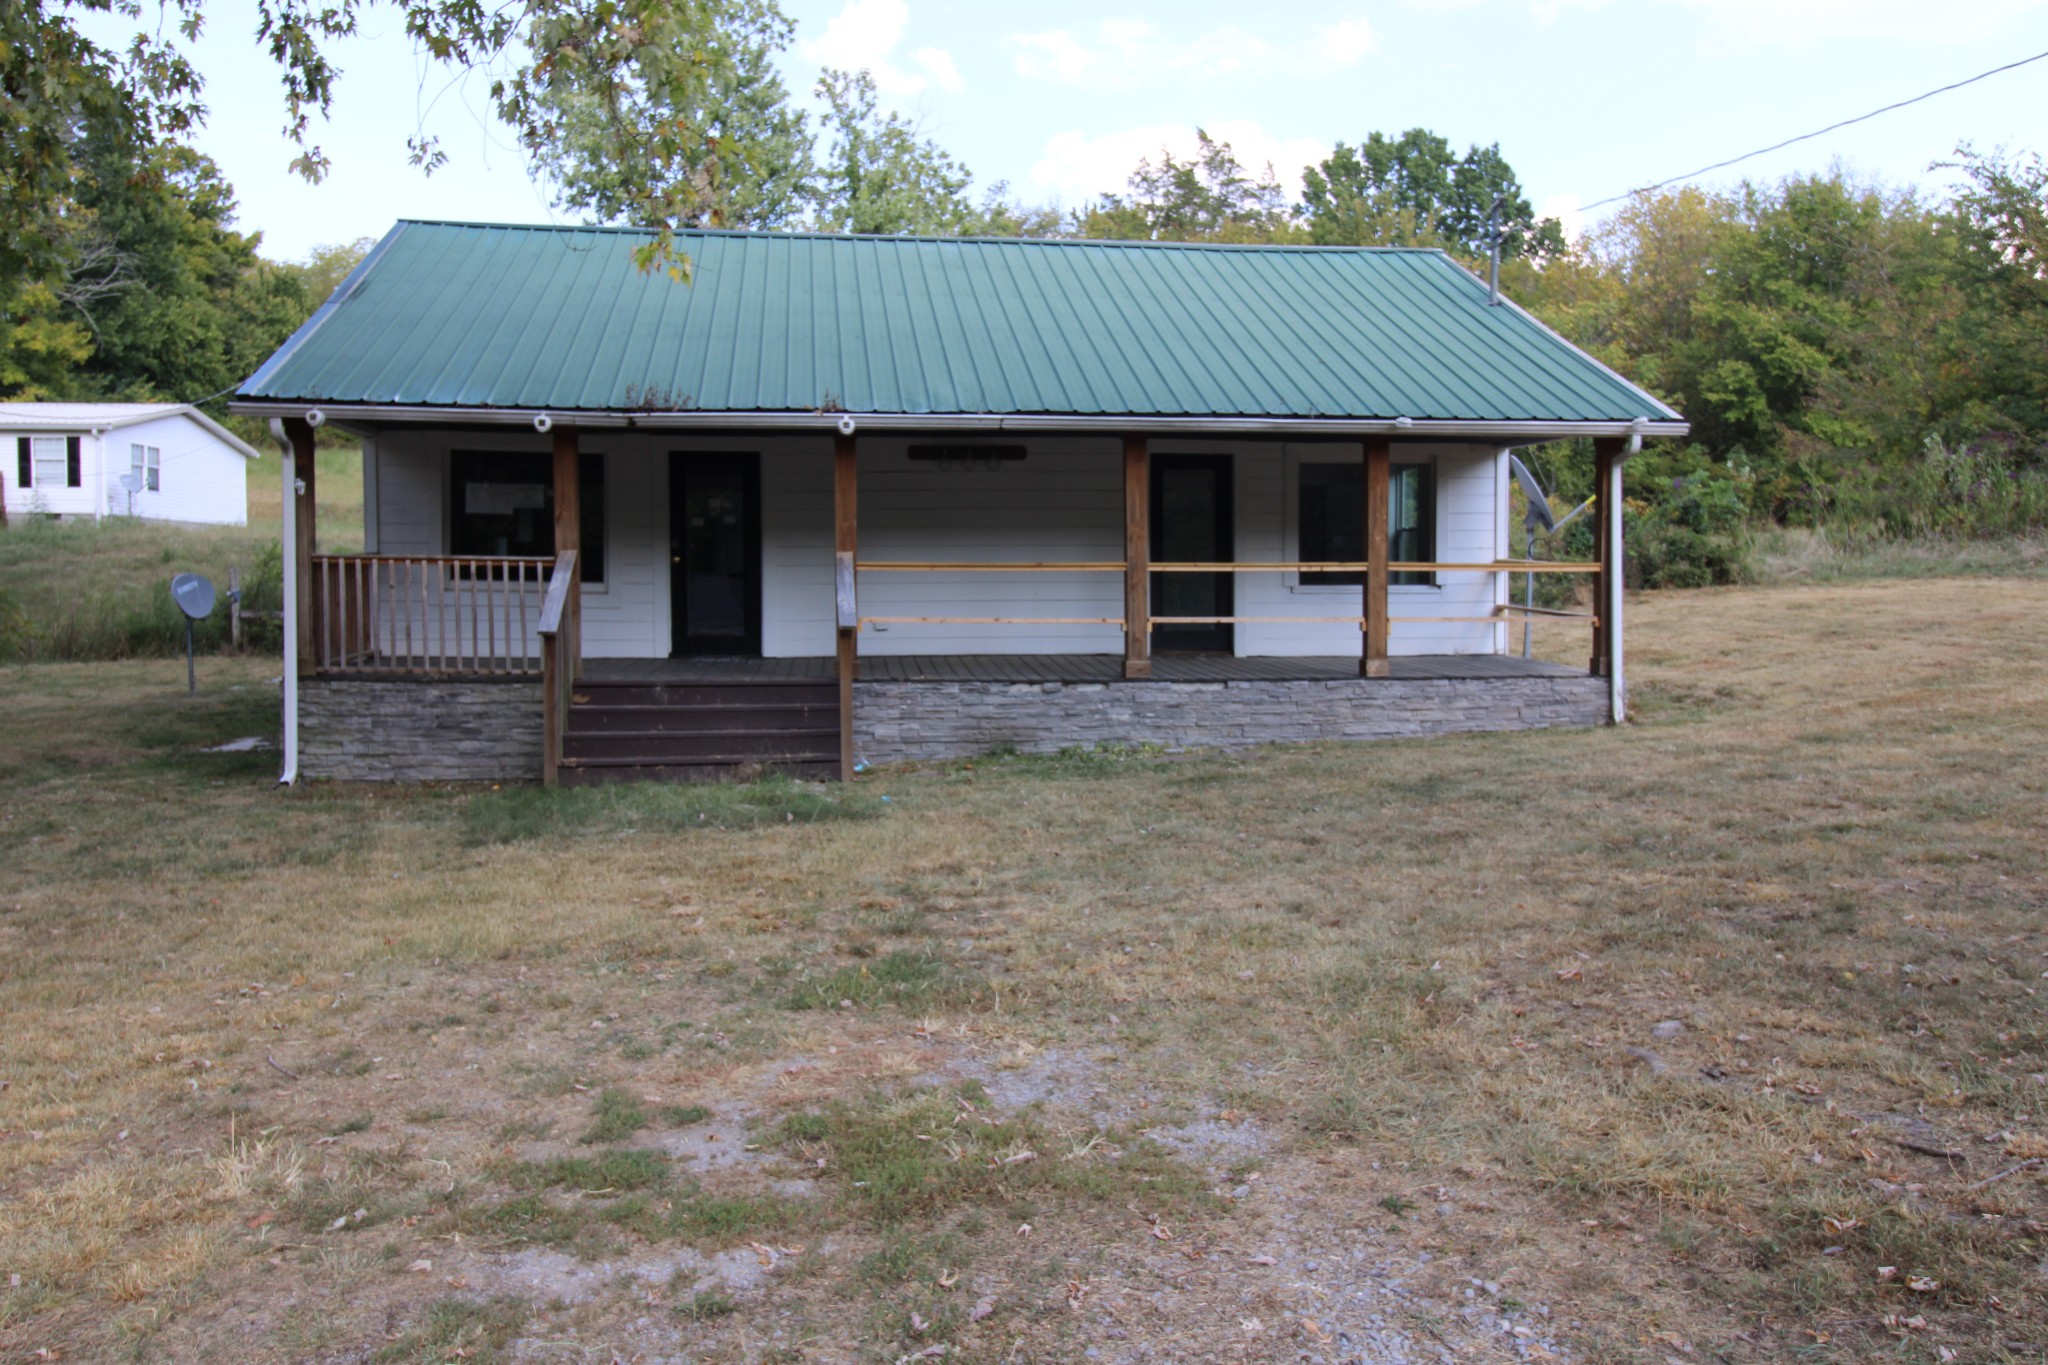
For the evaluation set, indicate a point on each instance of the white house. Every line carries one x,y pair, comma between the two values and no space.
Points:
70,460
890,498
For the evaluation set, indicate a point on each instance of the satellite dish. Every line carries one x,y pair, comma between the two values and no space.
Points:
194,595
131,483
1539,501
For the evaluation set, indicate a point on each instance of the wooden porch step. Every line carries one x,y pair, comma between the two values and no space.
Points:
598,774
604,718
706,694
676,732
669,746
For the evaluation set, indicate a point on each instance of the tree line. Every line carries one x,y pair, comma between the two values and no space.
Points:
1848,353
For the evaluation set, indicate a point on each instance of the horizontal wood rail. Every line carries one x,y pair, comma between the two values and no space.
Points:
1287,566
1116,621
990,566
1393,566
427,615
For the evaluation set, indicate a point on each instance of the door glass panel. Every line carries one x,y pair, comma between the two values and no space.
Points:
1187,534
1191,521
715,554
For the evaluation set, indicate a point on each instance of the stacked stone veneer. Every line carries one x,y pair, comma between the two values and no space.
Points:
898,722
383,731
367,730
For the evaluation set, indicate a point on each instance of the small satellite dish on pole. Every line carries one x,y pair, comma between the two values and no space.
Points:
1539,518
131,484
195,597
1539,501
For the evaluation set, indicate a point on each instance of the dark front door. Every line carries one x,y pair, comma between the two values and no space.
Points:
1191,523
714,549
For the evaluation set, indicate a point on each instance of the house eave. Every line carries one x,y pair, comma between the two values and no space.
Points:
1505,432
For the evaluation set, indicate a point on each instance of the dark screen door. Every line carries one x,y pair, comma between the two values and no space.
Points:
714,519
1191,523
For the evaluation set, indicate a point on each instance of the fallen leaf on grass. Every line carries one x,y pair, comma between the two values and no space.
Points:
420,1267
981,1310
1922,1284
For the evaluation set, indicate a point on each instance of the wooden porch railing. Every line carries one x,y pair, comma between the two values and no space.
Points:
428,615
559,633
1496,615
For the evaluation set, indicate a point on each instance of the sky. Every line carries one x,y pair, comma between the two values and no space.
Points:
1060,98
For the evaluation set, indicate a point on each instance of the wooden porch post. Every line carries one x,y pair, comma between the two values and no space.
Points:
1379,459
569,534
1606,454
845,547
1137,557
300,433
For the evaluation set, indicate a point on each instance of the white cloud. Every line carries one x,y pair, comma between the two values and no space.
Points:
1076,168
1733,25
1565,208
1125,53
1344,44
938,63
864,36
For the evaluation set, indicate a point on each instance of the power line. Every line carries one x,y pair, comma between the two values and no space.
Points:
1808,137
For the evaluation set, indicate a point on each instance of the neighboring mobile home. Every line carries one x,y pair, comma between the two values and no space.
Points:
886,498
158,461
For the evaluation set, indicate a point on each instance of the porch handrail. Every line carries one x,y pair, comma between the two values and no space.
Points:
558,662
1223,566
426,615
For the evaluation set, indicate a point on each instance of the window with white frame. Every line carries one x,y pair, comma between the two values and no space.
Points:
51,458
146,464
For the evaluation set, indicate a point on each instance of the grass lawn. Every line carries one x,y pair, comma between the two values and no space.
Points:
102,590
1717,1037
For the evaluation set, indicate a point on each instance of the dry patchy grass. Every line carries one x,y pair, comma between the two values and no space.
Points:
1260,1048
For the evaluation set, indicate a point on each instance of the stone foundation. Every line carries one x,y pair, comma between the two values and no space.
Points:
900,722
373,730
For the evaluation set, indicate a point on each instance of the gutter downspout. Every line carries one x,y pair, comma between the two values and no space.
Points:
99,507
1617,683
289,547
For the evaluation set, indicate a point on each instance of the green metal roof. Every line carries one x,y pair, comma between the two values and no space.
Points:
468,316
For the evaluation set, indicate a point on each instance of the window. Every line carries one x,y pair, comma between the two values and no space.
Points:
146,464
49,462
1330,520
504,504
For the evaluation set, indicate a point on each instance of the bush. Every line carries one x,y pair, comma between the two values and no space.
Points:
1983,490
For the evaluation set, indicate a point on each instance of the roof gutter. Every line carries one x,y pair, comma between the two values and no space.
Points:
539,419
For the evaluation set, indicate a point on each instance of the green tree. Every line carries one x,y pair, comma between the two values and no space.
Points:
2001,217
1414,190
1210,197
710,143
878,175
557,67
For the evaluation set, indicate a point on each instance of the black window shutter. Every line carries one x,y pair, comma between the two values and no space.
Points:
26,474
73,476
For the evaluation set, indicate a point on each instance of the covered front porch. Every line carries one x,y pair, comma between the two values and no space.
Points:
1117,594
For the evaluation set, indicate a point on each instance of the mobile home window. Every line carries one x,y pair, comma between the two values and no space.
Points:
1330,520
502,504
52,459
146,464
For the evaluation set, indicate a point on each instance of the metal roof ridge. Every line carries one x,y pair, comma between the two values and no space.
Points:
907,238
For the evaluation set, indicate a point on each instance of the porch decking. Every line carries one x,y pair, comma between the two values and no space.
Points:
1065,668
